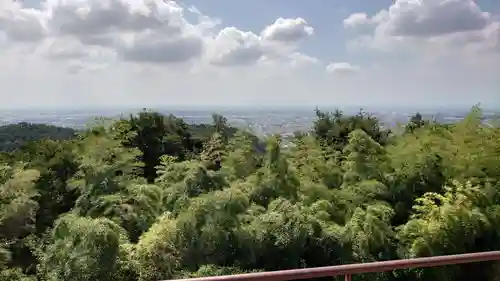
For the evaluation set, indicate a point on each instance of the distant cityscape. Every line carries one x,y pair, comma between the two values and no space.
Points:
259,121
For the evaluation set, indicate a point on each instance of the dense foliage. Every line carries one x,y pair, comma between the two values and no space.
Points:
13,136
145,199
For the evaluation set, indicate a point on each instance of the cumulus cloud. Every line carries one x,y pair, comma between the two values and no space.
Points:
358,20
434,18
456,23
174,54
276,41
145,31
19,24
150,48
342,68
235,47
287,30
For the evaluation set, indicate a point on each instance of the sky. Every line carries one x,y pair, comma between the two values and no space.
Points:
195,53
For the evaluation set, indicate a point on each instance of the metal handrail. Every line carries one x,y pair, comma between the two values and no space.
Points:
351,269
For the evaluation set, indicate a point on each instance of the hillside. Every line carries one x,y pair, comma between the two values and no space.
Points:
13,136
151,198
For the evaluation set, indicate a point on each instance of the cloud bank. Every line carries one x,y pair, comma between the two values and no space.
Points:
74,52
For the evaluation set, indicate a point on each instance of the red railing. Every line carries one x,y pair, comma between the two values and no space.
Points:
351,269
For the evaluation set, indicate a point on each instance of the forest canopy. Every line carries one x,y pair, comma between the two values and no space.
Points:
152,198
13,136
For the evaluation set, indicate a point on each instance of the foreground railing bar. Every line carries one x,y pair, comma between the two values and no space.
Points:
351,269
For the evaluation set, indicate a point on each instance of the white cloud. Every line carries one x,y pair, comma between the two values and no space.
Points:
235,47
276,41
342,68
148,47
287,30
155,52
146,31
19,24
357,20
422,24
434,18
63,49
115,45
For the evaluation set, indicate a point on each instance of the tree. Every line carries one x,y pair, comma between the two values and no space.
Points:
415,122
213,152
151,198
156,135
333,129
83,249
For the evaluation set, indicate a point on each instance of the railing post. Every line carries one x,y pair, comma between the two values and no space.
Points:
348,277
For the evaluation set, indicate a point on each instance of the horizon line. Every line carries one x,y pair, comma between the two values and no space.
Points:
252,107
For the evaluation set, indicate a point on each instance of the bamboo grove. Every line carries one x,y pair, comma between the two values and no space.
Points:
144,199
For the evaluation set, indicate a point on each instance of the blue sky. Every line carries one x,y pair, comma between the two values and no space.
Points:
264,52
